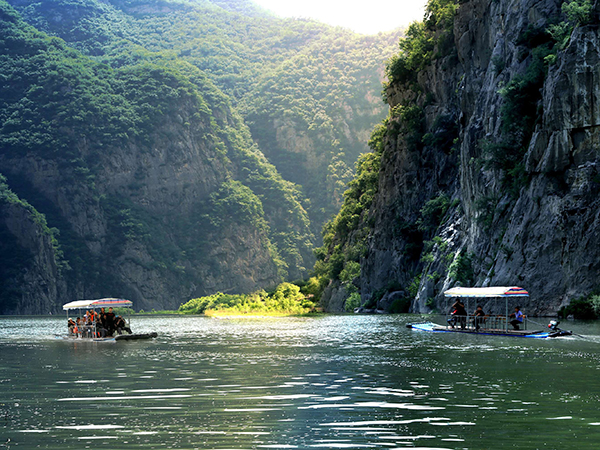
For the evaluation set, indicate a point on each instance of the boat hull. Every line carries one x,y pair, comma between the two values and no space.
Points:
433,328
134,337
82,339
121,337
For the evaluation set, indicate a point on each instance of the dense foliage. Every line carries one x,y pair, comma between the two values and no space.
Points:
425,41
309,92
89,83
286,299
344,237
60,105
582,308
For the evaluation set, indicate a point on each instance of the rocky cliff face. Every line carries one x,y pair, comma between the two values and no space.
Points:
522,185
30,277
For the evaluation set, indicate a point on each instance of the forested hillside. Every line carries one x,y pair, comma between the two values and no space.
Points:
134,144
310,93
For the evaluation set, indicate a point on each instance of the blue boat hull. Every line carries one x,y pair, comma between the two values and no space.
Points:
433,328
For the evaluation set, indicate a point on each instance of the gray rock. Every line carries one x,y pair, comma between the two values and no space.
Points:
546,237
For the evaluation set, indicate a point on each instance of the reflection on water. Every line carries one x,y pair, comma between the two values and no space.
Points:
332,382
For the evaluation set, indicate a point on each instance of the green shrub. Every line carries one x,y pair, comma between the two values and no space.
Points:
521,95
413,287
422,39
433,212
430,303
461,269
580,309
287,299
561,33
352,302
595,301
350,272
578,12
427,258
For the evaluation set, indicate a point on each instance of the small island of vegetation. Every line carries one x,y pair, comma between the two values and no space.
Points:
286,300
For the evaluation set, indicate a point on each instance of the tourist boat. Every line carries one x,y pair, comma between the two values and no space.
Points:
92,332
497,323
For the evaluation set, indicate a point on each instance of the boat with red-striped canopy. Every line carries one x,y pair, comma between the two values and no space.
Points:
497,322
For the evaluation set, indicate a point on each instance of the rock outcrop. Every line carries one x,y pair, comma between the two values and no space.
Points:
523,182
30,272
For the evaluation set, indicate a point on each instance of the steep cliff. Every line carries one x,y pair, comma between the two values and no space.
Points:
31,264
514,201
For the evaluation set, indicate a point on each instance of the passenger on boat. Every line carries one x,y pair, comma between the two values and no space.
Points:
517,318
109,321
88,324
72,327
121,325
459,315
101,324
478,317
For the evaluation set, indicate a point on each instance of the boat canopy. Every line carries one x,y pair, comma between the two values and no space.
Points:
487,292
100,303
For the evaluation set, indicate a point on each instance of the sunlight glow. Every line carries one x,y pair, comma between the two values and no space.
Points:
367,17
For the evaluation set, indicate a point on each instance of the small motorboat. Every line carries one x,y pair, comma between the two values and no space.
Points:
497,324
89,326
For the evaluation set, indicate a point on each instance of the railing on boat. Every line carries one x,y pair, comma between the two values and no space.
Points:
84,330
89,330
487,324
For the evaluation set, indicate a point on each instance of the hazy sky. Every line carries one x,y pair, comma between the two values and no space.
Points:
366,16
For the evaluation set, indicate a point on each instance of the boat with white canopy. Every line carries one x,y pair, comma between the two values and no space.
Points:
499,302
90,326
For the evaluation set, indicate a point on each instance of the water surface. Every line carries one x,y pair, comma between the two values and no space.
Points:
331,382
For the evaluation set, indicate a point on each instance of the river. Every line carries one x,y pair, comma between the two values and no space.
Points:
329,382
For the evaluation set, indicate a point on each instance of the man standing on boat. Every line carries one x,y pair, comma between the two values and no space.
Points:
518,318
109,321
459,314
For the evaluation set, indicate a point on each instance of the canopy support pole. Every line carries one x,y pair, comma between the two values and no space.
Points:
506,314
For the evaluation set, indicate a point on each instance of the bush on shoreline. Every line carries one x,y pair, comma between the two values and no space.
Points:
582,308
286,299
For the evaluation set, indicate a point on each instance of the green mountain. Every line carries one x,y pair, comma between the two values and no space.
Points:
310,93
163,150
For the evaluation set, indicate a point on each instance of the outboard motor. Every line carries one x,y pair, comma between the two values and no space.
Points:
553,325
555,331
